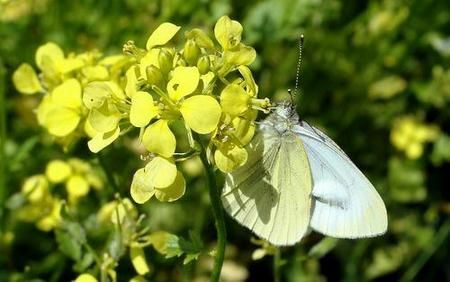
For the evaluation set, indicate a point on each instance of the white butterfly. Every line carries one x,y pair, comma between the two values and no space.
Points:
297,178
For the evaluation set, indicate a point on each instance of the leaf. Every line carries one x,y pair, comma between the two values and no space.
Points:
323,247
68,246
115,245
171,245
86,260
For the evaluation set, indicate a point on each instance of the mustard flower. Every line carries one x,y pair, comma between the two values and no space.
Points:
409,135
159,178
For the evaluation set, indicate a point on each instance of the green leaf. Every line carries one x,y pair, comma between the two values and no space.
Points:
171,245
406,180
67,245
115,246
323,247
84,263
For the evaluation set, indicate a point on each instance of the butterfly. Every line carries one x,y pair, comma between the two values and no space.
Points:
297,179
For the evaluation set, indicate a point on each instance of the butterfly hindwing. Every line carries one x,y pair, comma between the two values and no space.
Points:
345,203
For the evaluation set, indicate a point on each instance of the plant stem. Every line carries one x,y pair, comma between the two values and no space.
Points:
219,217
276,265
109,176
427,253
2,142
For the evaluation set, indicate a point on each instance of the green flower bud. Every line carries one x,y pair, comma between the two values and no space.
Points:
165,60
191,52
203,64
154,75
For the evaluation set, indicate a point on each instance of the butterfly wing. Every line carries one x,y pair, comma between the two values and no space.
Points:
271,193
345,203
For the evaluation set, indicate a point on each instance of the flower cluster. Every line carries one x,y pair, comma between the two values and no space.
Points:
43,196
61,82
409,135
169,94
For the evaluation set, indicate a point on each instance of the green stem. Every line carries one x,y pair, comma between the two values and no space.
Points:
2,142
435,244
276,265
109,176
219,217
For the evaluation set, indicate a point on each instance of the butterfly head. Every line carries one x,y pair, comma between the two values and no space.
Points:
283,117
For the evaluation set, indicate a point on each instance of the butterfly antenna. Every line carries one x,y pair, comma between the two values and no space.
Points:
299,65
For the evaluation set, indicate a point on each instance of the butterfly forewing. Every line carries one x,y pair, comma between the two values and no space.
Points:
270,194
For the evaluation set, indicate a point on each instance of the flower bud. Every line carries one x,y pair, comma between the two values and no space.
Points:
203,65
191,52
165,59
154,75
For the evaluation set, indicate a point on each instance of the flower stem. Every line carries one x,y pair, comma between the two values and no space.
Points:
219,217
3,163
276,265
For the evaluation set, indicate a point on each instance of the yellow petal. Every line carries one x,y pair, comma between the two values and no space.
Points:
124,210
61,121
96,93
47,55
79,166
184,81
44,107
244,129
244,55
234,100
150,59
228,32
249,80
68,65
161,172
201,113
77,186
88,129
228,159
131,86
57,171
137,256
93,73
68,94
162,35
141,189
174,191
142,109
86,277
26,80
159,139
105,119
101,140
35,188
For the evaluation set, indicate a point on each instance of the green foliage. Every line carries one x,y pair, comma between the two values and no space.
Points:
367,65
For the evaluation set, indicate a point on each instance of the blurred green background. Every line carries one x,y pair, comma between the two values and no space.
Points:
375,77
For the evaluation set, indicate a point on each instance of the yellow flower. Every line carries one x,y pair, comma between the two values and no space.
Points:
201,113
35,188
107,106
228,32
58,171
86,277
159,178
230,139
51,220
26,80
124,210
236,101
60,112
410,135
162,35
138,260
